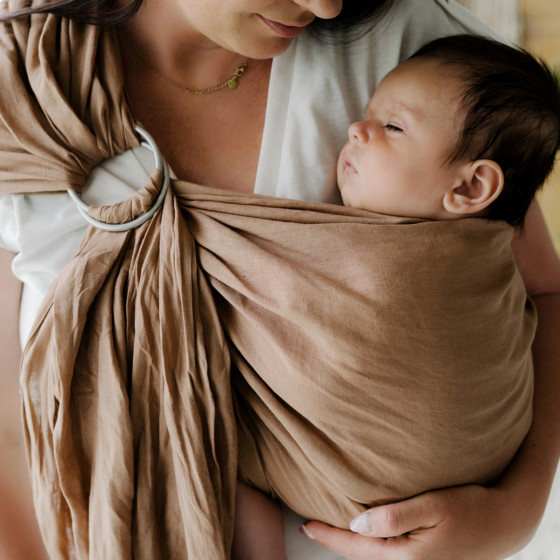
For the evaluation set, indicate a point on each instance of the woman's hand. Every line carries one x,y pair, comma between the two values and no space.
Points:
464,523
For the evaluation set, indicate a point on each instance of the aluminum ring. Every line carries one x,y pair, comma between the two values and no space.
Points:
148,142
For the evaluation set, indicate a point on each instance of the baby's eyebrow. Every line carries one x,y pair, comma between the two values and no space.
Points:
415,113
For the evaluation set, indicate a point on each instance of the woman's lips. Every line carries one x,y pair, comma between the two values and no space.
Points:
288,31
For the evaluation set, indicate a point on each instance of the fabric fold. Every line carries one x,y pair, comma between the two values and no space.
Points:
62,105
127,401
374,357
128,408
132,208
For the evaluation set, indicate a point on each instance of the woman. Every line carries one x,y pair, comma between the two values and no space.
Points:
252,138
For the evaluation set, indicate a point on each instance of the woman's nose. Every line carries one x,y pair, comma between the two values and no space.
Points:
324,9
358,132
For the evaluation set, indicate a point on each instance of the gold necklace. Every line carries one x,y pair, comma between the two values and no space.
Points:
231,83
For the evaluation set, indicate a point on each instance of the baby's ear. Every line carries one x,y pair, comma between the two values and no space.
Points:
482,182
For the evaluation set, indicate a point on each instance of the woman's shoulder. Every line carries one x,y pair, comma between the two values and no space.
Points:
439,15
359,56
403,28
416,22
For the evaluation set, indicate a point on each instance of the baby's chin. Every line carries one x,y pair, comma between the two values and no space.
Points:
340,191
345,199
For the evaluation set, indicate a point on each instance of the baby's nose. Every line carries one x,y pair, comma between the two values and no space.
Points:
358,132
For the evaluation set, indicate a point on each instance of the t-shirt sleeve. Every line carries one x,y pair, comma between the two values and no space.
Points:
7,223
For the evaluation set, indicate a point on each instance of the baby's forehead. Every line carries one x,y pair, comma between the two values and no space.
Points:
425,68
418,83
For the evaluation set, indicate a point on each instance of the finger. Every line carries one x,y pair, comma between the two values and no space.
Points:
396,519
351,545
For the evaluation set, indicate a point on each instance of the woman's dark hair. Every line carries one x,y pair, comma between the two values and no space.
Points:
360,15
110,13
511,102
107,13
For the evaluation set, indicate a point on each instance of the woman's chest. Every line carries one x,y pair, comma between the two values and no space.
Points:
213,139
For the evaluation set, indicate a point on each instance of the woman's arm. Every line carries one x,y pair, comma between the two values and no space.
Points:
19,533
472,522
259,526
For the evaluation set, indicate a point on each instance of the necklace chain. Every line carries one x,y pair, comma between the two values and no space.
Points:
232,82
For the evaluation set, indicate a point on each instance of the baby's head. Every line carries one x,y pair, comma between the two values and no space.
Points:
466,126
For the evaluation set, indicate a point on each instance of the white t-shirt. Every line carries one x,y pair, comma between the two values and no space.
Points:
316,90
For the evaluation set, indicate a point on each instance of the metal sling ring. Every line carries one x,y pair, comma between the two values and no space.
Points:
148,142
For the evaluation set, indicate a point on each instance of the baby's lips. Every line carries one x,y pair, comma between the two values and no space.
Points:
347,164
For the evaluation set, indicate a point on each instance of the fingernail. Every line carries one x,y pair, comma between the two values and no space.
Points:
305,531
361,524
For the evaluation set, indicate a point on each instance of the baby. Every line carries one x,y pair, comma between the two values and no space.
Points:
467,127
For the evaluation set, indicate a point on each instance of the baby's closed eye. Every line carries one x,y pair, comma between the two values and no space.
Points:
392,127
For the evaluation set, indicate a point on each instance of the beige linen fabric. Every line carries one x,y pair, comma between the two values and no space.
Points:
129,419
374,357
371,357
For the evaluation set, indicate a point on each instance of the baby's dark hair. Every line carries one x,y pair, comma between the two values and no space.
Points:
511,102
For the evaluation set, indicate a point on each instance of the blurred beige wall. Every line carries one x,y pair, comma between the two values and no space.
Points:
537,28
541,35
